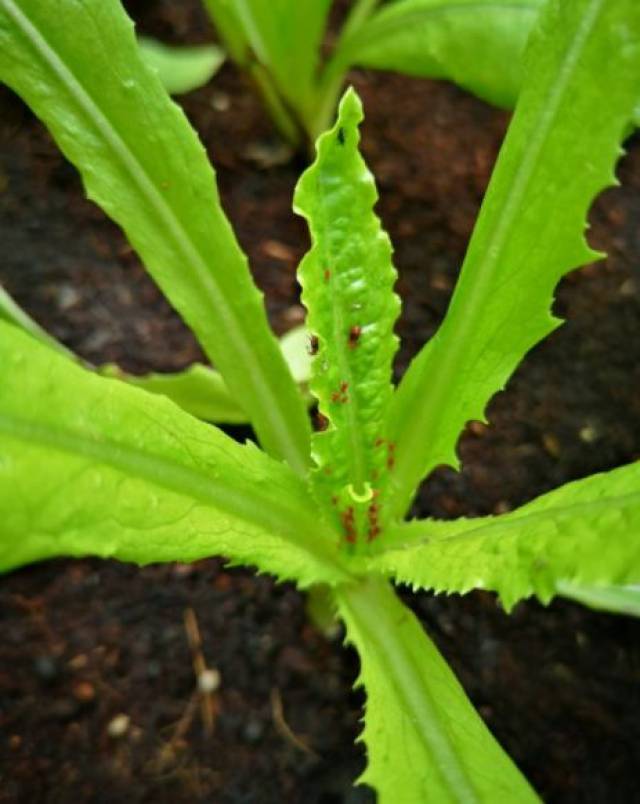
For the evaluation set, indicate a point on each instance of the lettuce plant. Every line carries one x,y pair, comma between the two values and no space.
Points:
476,43
93,466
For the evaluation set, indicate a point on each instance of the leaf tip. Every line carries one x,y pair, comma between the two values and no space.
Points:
350,107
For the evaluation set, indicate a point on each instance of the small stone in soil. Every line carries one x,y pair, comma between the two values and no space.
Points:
118,726
208,681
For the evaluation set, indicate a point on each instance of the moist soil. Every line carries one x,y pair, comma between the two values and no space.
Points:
97,686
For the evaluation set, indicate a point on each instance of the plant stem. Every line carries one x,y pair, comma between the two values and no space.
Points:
333,75
286,123
361,11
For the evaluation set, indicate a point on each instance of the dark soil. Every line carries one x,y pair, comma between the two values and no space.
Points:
85,641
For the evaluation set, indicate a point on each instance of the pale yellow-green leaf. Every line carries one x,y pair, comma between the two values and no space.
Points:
93,466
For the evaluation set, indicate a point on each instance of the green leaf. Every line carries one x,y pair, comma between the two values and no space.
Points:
614,599
203,393
581,85
585,533
229,27
283,35
425,742
295,350
347,279
143,164
479,44
199,390
92,466
182,68
14,314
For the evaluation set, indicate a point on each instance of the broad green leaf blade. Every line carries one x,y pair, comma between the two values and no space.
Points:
181,68
143,164
479,44
14,314
203,393
284,36
347,279
425,742
614,599
92,466
581,85
586,533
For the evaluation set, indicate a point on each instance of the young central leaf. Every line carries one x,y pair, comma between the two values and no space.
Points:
347,279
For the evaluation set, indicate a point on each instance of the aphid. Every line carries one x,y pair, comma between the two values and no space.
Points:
313,345
341,395
327,274
391,458
341,137
321,422
372,516
354,336
374,532
378,442
348,525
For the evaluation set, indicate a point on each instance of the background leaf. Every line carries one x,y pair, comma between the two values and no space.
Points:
347,279
478,44
201,390
582,81
586,533
142,163
198,390
91,466
614,599
181,68
425,742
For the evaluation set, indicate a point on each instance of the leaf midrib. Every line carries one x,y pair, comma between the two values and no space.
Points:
278,518
354,431
514,522
379,629
166,214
